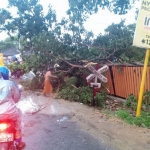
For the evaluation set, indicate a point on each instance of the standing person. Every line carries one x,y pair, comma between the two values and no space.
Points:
9,96
47,85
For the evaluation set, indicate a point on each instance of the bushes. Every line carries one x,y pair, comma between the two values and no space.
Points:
101,99
14,66
131,102
83,95
127,115
146,100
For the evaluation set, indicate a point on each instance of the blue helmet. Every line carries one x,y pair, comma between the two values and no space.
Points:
4,72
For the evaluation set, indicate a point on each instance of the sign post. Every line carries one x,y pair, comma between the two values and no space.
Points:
138,111
96,74
142,39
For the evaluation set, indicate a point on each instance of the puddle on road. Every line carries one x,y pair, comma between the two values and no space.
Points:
62,119
27,105
53,110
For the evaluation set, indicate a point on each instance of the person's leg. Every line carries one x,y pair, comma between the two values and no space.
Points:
50,90
47,88
17,117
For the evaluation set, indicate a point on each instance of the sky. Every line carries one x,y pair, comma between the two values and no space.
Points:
96,23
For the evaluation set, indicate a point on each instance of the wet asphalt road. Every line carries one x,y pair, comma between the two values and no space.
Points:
54,129
57,133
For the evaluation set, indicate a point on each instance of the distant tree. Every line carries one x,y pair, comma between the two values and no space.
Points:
28,21
8,43
79,10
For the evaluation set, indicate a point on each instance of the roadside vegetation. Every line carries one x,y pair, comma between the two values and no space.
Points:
44,41
125,111
72,89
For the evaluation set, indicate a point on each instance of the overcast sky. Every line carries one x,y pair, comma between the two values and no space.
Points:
96,23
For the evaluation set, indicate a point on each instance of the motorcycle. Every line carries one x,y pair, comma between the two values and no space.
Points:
7,135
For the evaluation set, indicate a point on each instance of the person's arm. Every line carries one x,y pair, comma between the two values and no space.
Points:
50,74
16,94
54,76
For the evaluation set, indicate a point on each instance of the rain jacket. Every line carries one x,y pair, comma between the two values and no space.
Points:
5,72
9,96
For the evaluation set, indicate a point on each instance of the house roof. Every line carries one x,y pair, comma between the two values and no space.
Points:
10,52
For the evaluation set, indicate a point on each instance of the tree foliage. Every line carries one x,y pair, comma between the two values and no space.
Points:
8,43
116,43
29,20
115,46
81,9
67,42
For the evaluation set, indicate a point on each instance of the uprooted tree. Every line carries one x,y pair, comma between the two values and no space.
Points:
112,47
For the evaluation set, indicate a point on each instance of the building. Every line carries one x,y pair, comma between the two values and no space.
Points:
10,52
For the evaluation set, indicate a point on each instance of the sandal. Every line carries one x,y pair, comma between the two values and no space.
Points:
21,145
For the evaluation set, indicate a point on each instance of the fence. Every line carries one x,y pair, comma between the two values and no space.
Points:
123,81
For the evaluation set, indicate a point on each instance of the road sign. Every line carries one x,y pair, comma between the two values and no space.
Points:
142,32
103,69
90,77
96,85
97,73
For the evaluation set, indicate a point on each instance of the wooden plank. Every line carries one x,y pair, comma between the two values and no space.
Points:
140,76
131,81
127,82
111,84
138,70
135,81
115,80
148,78
119,81
123,82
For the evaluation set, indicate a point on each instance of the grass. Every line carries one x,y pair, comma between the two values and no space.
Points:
143,120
